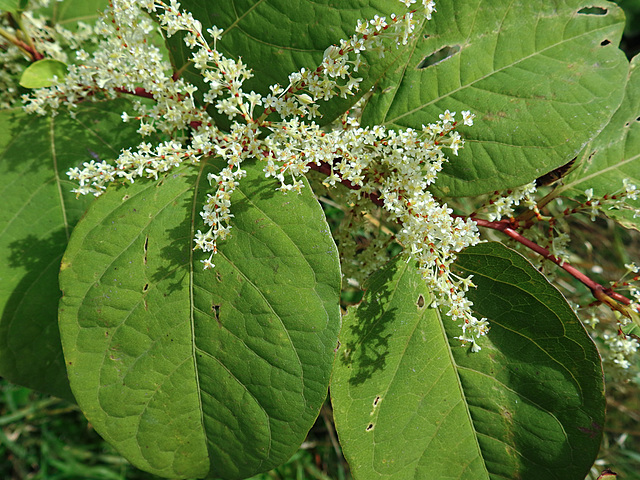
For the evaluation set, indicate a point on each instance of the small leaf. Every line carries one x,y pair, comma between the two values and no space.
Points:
40,74
411,403
190,372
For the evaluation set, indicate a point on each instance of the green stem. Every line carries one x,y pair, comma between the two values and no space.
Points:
35,55
29,50
15,40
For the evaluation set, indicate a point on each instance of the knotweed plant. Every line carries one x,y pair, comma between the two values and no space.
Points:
213,360
278,129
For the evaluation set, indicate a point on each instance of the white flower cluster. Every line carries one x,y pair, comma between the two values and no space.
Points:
502,205
397,166
124,61
621,349
615,201
631,281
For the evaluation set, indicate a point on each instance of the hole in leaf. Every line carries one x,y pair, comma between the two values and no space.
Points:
638,119
555,175
592,11
420,301
369,427
146,287
376,401
604,43
439,56
215,309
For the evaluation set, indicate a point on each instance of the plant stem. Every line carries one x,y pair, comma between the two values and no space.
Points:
26,49
608,296
138,92
602,294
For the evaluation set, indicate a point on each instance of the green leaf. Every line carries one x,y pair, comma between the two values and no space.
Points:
279,37
40,74
188,372
543,78
11,6
39,211
613,155
69,12
411,403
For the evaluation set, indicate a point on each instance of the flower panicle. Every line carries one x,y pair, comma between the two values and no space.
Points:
398,165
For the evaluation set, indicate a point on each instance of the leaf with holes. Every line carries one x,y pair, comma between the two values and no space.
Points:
612,156
543,79
411,403
37,218
193,373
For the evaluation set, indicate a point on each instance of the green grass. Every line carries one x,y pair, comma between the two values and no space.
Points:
45,438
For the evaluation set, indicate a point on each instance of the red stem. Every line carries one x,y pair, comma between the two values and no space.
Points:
138,92
605,295
325,168
602,294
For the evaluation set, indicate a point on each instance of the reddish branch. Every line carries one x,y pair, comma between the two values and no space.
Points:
22,45
605,295
325,168
35,55
138,92
602,294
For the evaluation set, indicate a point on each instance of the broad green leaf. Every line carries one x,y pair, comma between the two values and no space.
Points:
279,37
40,74
39,211
613,155
411,403
187,372
543,78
